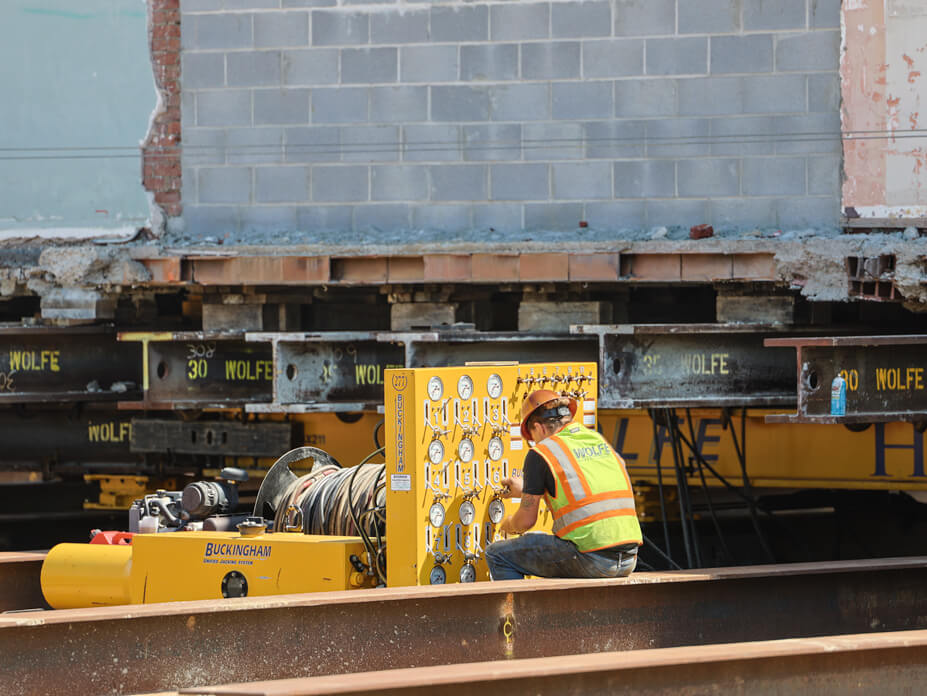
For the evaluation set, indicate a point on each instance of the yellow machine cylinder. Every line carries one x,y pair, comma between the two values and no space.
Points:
87,575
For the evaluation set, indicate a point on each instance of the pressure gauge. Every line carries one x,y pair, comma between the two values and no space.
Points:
495,448
435,452
465,387
435,388
465,450
436,514
467,512
496,510
437,576
467,573
494,386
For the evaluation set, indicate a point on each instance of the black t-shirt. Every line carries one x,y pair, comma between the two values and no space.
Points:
538,478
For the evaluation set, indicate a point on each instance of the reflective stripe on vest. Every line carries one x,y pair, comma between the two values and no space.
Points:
577,515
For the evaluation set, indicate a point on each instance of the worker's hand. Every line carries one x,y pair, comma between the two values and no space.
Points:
512,487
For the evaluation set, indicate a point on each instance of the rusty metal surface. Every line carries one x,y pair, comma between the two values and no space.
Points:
221,437
884,663
19,581
250,639
694,365
886,378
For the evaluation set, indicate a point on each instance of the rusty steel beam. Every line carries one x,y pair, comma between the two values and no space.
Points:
52,365
66,435
343,371
690,365
186,644
195,369
19,581
886,378
894,662
216,437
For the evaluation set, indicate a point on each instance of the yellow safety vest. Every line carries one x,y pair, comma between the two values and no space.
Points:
594,504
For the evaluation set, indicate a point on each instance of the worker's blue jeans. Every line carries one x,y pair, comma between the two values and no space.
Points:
549,556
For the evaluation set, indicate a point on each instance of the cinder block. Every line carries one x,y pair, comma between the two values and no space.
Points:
679,212
509,22
709,17
544,267
581,100
446,219
399,183
313,144
459,23
651,178
222,31
825,14
615,215
614,139
279,29
752,53
385,217
553,216
203,70
339,184
314,66
520,102
752,135
782,14
227,107
281,106
492,142
201,5
249,4
399,27
613,58
767,94
581,180
224,185
324,217
581,19
499,217
491,61
428,64
554,60
602,266
519,182
815,50
253,145
465,182
808,212
654,267
398,104
774,176
370,143
447,267
458,103
681,137
369,65
202,221
556,317
647,98
188,109
708,177
494,268
677,56
404,316
823,93
309,3
268,218
331,28
721,96
706,267
339,105
204,146
243,317
431,143
820,134
552,141
750,309
749,213
645,17
824,175
281,184
406,269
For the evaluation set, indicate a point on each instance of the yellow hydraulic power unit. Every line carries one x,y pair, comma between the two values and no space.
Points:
452,436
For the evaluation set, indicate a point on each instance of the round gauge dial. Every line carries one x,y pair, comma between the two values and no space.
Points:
494,386
496,510
436,514
495,448
435,388
465,387
437,576
467,573
467,512
465,450
435,452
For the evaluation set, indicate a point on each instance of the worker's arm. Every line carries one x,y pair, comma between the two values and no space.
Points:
526,515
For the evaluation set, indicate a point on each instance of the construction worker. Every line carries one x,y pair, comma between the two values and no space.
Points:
587,489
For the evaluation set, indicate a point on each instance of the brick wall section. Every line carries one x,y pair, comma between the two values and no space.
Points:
455,116
161,158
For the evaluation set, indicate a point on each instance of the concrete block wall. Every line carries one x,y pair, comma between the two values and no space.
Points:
512,115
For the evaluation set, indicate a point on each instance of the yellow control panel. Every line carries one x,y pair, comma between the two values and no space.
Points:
452,436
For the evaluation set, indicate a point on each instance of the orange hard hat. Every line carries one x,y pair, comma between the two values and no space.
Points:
534,401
